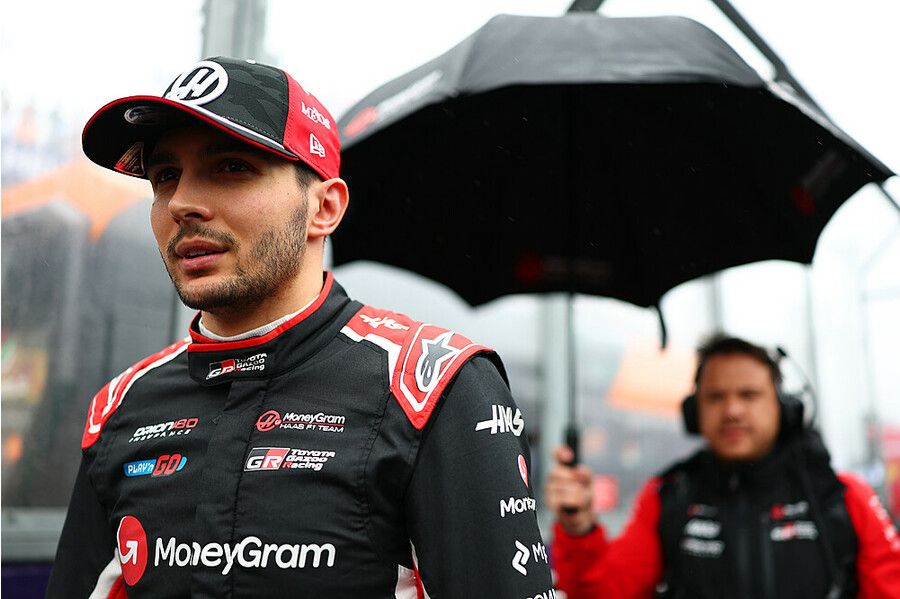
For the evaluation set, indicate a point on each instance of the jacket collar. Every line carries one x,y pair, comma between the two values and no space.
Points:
214,362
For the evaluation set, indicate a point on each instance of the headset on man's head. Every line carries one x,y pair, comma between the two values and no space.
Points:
791,414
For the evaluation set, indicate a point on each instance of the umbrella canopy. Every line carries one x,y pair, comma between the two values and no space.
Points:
609,156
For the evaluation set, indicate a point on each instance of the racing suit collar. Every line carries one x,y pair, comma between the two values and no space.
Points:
213,362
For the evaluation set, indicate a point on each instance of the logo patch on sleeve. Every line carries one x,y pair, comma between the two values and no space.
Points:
422,358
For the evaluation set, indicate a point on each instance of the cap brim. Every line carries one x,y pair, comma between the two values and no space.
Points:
108,136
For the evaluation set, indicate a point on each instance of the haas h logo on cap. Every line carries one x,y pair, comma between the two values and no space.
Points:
203,83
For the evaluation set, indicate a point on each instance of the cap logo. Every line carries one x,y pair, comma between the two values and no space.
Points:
315,146
203,83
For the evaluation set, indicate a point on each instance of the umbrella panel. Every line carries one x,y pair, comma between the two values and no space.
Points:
622,191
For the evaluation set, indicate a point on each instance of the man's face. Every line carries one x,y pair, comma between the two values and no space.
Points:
230,220
738,408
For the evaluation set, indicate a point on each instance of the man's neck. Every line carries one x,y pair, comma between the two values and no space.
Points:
233,323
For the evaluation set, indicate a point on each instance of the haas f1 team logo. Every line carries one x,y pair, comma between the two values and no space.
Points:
203,83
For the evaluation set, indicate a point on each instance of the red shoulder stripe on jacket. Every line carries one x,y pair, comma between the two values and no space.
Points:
110,396
422,358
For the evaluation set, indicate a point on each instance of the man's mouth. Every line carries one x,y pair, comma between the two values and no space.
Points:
195,254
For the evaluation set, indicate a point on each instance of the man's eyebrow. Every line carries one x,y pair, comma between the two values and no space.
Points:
234,147
213,149
157,158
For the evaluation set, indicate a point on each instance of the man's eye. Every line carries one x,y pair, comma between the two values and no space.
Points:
163,176
235,166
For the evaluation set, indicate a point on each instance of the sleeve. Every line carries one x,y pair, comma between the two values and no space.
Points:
86,563
471,512
629,567
878,557
574,557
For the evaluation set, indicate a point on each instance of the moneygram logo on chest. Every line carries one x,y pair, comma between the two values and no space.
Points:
135,553
320,421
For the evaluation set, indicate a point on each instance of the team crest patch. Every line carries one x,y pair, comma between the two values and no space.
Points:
422,358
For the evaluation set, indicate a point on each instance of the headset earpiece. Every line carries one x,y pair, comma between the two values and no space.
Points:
791,414
689,415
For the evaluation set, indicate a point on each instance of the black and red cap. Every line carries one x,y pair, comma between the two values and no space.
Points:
257,103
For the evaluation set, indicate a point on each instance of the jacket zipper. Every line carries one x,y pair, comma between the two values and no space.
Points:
767,563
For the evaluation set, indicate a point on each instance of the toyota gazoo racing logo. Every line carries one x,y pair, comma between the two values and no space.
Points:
253,363
799,529
134,552
171,428
277,458
164,465
201,84
320,421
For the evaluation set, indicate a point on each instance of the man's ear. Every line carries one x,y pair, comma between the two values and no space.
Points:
328,202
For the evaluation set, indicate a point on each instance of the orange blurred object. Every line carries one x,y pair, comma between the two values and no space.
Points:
97,192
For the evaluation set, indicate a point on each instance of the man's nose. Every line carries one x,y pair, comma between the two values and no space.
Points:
734,407
191,200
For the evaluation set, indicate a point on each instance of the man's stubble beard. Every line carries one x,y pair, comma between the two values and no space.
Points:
273,260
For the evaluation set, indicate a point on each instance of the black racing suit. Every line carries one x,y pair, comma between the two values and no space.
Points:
351,452
754,532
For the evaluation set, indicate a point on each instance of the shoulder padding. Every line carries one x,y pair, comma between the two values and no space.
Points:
422,358
110,396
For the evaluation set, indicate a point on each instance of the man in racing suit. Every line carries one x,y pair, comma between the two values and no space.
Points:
758,513
297,443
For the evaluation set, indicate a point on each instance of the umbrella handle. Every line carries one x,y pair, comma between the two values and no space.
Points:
572,435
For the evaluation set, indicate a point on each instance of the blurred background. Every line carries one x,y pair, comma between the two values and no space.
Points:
84,294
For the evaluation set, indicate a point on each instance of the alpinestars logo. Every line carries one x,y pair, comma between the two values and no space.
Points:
203,83
257,362
434,353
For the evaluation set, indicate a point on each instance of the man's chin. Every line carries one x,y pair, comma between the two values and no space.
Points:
208,300
733,452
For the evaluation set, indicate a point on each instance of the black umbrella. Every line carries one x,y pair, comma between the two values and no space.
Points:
615,157
609,156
